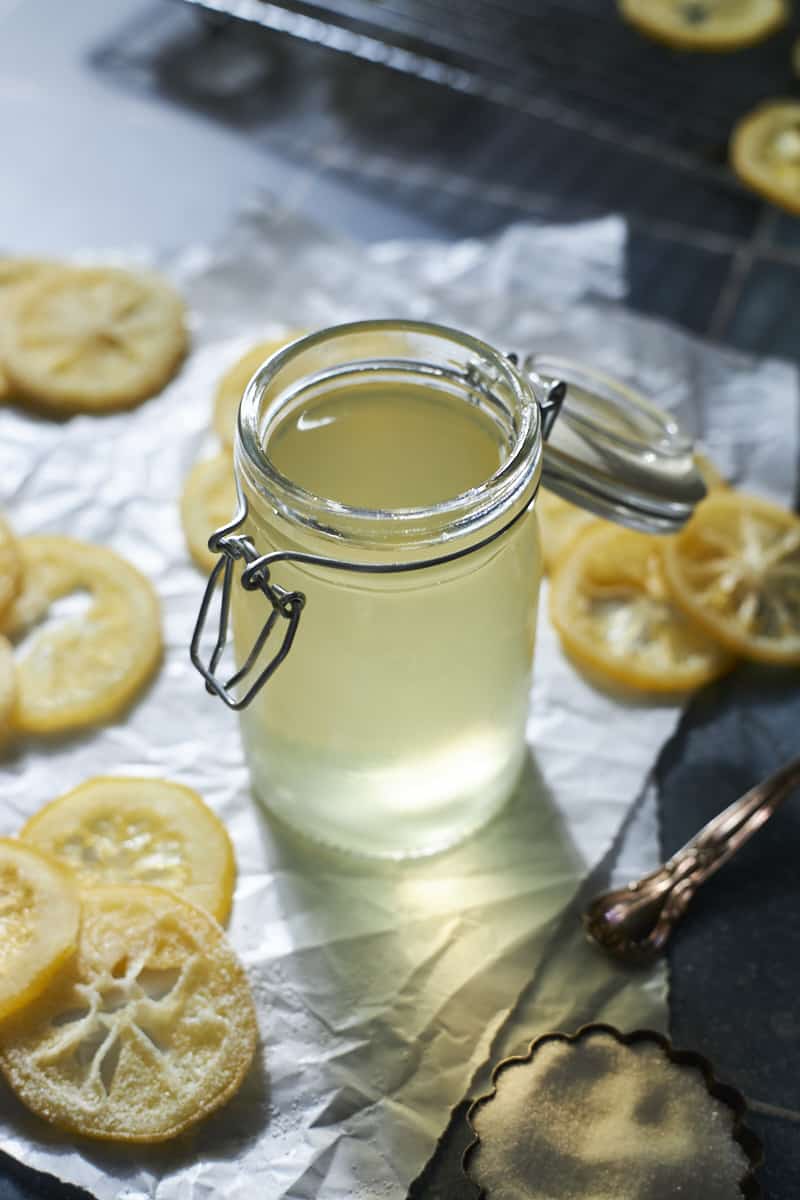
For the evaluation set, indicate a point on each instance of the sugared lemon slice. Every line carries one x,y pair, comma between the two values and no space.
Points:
14,274
560,522
712,476
765,152
208,501
232,384
735,571
39,917
146,831
91,340
613,611
706,24
8,690
82,669
10,568
151,1029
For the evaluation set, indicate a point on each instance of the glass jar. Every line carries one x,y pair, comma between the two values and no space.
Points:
384,630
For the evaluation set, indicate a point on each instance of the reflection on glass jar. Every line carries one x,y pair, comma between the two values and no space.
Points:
395,726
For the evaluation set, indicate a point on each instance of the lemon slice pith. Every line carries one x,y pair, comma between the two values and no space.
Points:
83,669
232,384
151,1027
39,917
735,570
614,615
765,152
140,831
84,340
706,24
208,501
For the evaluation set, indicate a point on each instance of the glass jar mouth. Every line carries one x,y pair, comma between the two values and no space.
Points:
463,358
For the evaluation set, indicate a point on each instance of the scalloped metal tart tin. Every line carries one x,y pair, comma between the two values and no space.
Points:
611,1116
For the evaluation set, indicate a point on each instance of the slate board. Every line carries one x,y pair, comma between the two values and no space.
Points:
735,990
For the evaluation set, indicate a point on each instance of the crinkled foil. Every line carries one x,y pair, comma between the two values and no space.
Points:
380,988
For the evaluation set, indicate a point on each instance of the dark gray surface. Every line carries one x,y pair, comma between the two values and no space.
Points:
19,1183
736,963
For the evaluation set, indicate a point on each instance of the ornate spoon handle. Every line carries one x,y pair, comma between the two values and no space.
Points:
633,923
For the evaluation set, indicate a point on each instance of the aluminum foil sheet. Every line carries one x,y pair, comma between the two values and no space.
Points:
381,989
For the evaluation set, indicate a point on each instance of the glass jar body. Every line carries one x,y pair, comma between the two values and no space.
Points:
396,725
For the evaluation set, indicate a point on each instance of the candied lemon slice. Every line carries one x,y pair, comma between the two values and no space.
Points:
14,271
150,1029
560,522
208,501
735,570
121,830
613,611
86,340
10,567
765,152
232,384
8,689
39,917
712,476
14,274
83,669
706,24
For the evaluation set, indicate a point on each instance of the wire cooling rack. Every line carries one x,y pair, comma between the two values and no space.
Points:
500,110
537,54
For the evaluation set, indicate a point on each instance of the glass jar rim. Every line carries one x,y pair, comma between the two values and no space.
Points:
460,515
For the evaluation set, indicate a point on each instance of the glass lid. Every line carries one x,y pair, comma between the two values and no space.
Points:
614,453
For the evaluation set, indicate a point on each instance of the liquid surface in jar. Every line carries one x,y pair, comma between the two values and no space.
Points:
386,445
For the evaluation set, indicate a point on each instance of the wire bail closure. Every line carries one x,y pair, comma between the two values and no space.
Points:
287,606
233,546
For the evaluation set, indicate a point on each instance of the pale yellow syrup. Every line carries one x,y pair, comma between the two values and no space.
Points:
387,446
396,724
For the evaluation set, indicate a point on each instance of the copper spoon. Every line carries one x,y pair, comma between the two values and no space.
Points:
634,923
